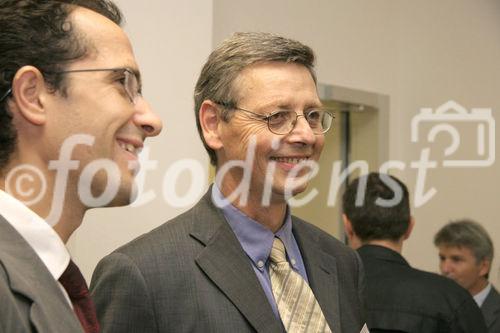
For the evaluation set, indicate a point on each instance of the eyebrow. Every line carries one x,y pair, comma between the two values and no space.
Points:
287,106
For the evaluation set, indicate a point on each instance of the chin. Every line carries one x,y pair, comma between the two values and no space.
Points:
295,186
120,200
126,195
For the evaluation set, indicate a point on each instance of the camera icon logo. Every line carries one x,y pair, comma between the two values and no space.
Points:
446,119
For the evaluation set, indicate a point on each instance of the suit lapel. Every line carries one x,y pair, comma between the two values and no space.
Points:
321,272
28,276
491,307
225,263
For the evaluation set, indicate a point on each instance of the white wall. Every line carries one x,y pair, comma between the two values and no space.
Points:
171,41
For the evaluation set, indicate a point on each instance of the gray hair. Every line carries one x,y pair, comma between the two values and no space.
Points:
466,233
217,78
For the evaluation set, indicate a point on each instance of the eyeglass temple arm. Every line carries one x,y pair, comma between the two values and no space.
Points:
6,94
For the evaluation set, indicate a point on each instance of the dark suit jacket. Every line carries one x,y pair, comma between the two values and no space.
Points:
402,299
491,311
30,298
192,275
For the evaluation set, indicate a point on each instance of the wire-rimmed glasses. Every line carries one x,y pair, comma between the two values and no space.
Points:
130,83
283,121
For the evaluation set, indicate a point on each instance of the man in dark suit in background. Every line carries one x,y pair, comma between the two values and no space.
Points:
400,298
220,266
69,99
465,255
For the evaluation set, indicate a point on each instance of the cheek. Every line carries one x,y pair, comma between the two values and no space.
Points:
241,137
247,130
320,143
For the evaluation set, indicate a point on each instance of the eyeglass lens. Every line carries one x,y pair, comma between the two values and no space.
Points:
131,85
283,122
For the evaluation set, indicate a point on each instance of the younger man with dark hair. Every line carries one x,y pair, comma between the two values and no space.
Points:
70,95
400,298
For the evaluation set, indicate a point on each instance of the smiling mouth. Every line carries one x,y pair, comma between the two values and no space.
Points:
129,147
289,160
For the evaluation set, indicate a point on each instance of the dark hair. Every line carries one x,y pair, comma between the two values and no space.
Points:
378,207
37,33
225,63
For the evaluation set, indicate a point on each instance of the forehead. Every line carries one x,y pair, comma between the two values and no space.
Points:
277,83
458,251
107,43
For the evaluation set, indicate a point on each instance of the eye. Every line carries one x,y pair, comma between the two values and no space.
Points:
314,117
122,79
279,117
456,259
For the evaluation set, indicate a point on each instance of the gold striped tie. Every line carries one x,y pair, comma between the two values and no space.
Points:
298,308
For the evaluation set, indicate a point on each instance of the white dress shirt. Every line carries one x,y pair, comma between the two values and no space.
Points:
480,297
38,234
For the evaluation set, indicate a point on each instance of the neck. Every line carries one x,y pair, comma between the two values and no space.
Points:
64,213
271,216
67,224
395,246
478,286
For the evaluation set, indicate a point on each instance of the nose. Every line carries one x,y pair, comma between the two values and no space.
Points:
302,132
445,267
146,118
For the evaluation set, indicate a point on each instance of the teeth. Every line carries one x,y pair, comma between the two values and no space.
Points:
292,160
128,147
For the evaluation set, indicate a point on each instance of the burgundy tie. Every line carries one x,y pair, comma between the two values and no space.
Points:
76,287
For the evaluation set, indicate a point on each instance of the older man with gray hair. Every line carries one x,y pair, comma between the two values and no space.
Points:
238,261
466,254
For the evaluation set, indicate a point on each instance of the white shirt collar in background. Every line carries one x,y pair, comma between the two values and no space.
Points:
481,296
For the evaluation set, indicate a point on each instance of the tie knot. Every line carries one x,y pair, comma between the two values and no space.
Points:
278,252
74,282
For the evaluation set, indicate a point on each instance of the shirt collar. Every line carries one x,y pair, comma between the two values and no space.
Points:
37,232
256,239
481,296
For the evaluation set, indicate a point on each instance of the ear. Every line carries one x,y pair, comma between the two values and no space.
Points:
28,91
209,121
348,227
485,266
410,228
354,241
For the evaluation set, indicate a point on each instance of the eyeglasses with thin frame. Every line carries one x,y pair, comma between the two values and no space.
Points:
131,83
282,122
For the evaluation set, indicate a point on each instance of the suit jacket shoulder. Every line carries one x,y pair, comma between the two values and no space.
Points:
189,274
192,275
402,298
491,311
30,297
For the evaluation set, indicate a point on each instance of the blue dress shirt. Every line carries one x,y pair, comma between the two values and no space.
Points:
257,242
